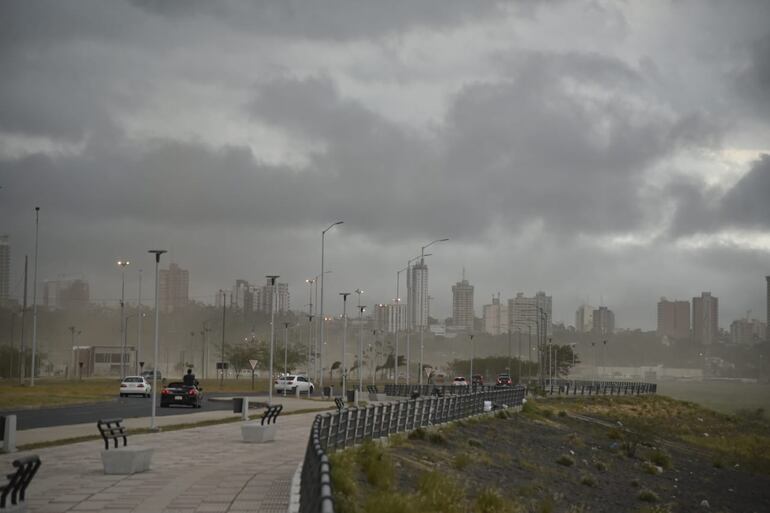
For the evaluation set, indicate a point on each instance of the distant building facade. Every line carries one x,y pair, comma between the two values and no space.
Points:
390,317
5,268
263,298
66,294
745,331
705,315
462,305
174,288
604,321
584,318
496,317
673,319
528,311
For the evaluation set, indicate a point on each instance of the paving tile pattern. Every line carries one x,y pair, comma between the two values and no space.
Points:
200,470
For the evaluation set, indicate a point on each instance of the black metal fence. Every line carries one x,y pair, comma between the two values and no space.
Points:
350,426
588,387
421,390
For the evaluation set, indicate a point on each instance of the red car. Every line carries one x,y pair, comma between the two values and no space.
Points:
504,380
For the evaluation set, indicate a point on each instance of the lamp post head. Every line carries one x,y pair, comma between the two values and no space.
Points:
344,295
359,291
362,308
157,253
123,263
272,278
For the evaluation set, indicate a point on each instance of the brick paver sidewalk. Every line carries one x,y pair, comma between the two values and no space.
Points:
206,469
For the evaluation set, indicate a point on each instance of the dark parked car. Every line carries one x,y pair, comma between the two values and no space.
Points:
504,380
179,393
477,379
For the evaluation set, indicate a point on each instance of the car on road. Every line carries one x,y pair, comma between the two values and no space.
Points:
177,393
460,381
477,379
135,385
292,383
503,380
148,375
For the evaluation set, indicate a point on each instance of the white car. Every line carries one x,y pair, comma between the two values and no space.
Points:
460,381
135,385
293,383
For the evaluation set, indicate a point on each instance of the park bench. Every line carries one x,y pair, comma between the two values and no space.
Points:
375,395
17,484
339,403
121,459
264,429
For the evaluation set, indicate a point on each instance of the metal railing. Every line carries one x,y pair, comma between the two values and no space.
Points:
588,387
421,390
351,426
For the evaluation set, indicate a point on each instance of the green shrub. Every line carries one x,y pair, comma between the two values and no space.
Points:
441,493
437,438
562,413
475,442
461,461
600,465
502,414
588,480
649,468
661,458
418,434
491,500
614,434
391,502
376,464
344,481
566,460
648,495
635,483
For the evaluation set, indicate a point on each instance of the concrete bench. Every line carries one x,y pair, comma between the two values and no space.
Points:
17,484
263,430
121,460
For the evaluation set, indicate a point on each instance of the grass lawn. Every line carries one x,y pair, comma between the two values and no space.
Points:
725,397
57,392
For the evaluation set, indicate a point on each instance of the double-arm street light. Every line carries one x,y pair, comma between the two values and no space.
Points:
397,324
473,354
321,307
157,253
423,293
409,315
361,309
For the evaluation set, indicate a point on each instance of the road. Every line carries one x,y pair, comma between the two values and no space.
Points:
125,407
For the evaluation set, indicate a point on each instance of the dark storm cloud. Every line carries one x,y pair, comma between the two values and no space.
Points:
330,19
754,81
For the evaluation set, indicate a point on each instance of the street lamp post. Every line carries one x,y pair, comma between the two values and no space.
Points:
409,315
122,264
424,292
285,352
223,369
361,309
272,279
157,253
397,319
34,302
321,307
344,341
310,327
473,354
139,323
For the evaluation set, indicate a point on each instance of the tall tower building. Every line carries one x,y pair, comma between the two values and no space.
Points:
496,317
174,285
705,315
584,318
604,321
263,298
525,312
5,268
418,295
674,319
462,304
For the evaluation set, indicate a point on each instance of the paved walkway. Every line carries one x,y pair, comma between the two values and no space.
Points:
206,470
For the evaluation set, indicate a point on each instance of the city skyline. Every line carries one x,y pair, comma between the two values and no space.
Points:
624,157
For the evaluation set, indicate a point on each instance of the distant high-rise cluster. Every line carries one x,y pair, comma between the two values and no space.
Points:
5,268
603,321
248,298
584,318
390,317
747,331
174,285
462,305
673,319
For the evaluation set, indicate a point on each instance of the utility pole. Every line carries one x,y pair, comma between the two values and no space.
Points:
23,322
34,302
222,355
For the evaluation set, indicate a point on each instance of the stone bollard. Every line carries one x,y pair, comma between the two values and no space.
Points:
8,433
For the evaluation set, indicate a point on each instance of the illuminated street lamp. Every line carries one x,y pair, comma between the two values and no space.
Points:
422,310
344,340
272,279
122,264
157,253
361,309
322,341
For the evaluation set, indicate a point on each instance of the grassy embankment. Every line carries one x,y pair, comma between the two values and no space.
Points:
545,460
58,392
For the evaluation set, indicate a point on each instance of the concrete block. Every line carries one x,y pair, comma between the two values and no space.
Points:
8,444
254,432
126,460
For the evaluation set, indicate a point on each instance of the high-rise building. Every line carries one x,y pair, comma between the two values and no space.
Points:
243,296
66,294
418,295
604,321
462,305
584,318
529,311
174,286
705,316
495,317
745,331
674,319
263,298
5,268
389,317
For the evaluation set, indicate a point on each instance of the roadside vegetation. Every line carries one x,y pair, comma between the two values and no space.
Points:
641,454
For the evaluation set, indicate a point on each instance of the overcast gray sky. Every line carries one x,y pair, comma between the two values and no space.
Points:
596,150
